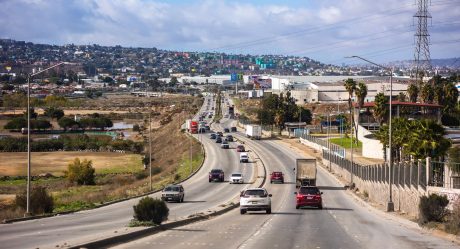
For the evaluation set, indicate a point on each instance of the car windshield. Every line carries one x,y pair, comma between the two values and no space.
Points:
255,192
236,175
215,171
309,191
277,173
172,188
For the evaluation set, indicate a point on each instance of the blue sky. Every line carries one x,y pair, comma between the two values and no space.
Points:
324,30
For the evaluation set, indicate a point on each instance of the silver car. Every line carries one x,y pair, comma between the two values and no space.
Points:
173,193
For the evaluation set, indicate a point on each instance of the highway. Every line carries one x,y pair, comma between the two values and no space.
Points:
84,226
343,223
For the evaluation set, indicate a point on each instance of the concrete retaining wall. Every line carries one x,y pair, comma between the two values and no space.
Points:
405,199
372,148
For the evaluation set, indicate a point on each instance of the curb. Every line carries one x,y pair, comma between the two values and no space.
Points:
124,238
9,221
131,236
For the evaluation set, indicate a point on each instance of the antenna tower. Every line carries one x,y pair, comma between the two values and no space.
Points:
422,58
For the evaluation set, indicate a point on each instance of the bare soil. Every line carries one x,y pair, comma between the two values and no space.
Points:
15,163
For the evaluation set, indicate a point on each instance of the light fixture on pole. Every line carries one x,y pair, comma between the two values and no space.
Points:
390,204
28,132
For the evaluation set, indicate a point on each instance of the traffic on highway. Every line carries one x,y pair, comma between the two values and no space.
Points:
278,198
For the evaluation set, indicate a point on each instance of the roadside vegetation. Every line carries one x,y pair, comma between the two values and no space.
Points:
113,175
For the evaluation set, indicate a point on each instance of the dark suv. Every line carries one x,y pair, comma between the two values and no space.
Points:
216,175
308,196
276,176
229,138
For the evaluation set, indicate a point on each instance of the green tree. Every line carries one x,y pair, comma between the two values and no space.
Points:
33,114
16,124
40,201
402,97
427,139
40,124
81,172
412,91
427,93
67,123
361,94
350,86
380,111
53,112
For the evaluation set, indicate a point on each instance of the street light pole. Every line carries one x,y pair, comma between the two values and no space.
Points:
28,213
390,204
150,148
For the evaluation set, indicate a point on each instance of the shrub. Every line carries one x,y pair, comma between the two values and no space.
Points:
80,172
141,175
432,208
453,225
40,201
136,127
149,209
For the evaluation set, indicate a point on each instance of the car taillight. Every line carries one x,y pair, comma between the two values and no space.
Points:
221,174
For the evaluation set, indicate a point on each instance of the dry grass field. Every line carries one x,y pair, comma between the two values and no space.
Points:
15,163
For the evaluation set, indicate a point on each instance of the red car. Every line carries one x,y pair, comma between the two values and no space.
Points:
308,197
240,148
276,176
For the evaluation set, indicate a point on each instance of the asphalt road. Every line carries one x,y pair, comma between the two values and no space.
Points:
79,227
343,223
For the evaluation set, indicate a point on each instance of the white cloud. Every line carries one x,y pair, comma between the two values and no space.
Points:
322,30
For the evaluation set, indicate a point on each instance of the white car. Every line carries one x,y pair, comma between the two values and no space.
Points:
236,178
255,199
244,158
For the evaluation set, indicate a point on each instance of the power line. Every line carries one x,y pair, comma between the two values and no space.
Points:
308,31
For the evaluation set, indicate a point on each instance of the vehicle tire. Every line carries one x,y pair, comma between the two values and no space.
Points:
271,182
320,206
297,206
282,182
209,180
182,199
269,211
242,211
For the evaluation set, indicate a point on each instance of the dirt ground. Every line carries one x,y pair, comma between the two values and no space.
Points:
15,163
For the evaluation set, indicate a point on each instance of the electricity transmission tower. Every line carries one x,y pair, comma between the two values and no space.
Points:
422,58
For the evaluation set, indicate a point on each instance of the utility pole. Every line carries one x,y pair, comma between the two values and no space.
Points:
150,148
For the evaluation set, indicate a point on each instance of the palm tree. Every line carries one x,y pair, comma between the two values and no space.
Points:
361,93
380,107
412,91
427,139
450,97
402,97
350,86
427,93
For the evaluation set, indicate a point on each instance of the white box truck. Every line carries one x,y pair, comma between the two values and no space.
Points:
254,131
305,172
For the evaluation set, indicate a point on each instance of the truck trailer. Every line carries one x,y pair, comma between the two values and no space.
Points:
254,131
305,172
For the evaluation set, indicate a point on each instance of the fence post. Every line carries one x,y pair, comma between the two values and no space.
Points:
429,172
419,173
